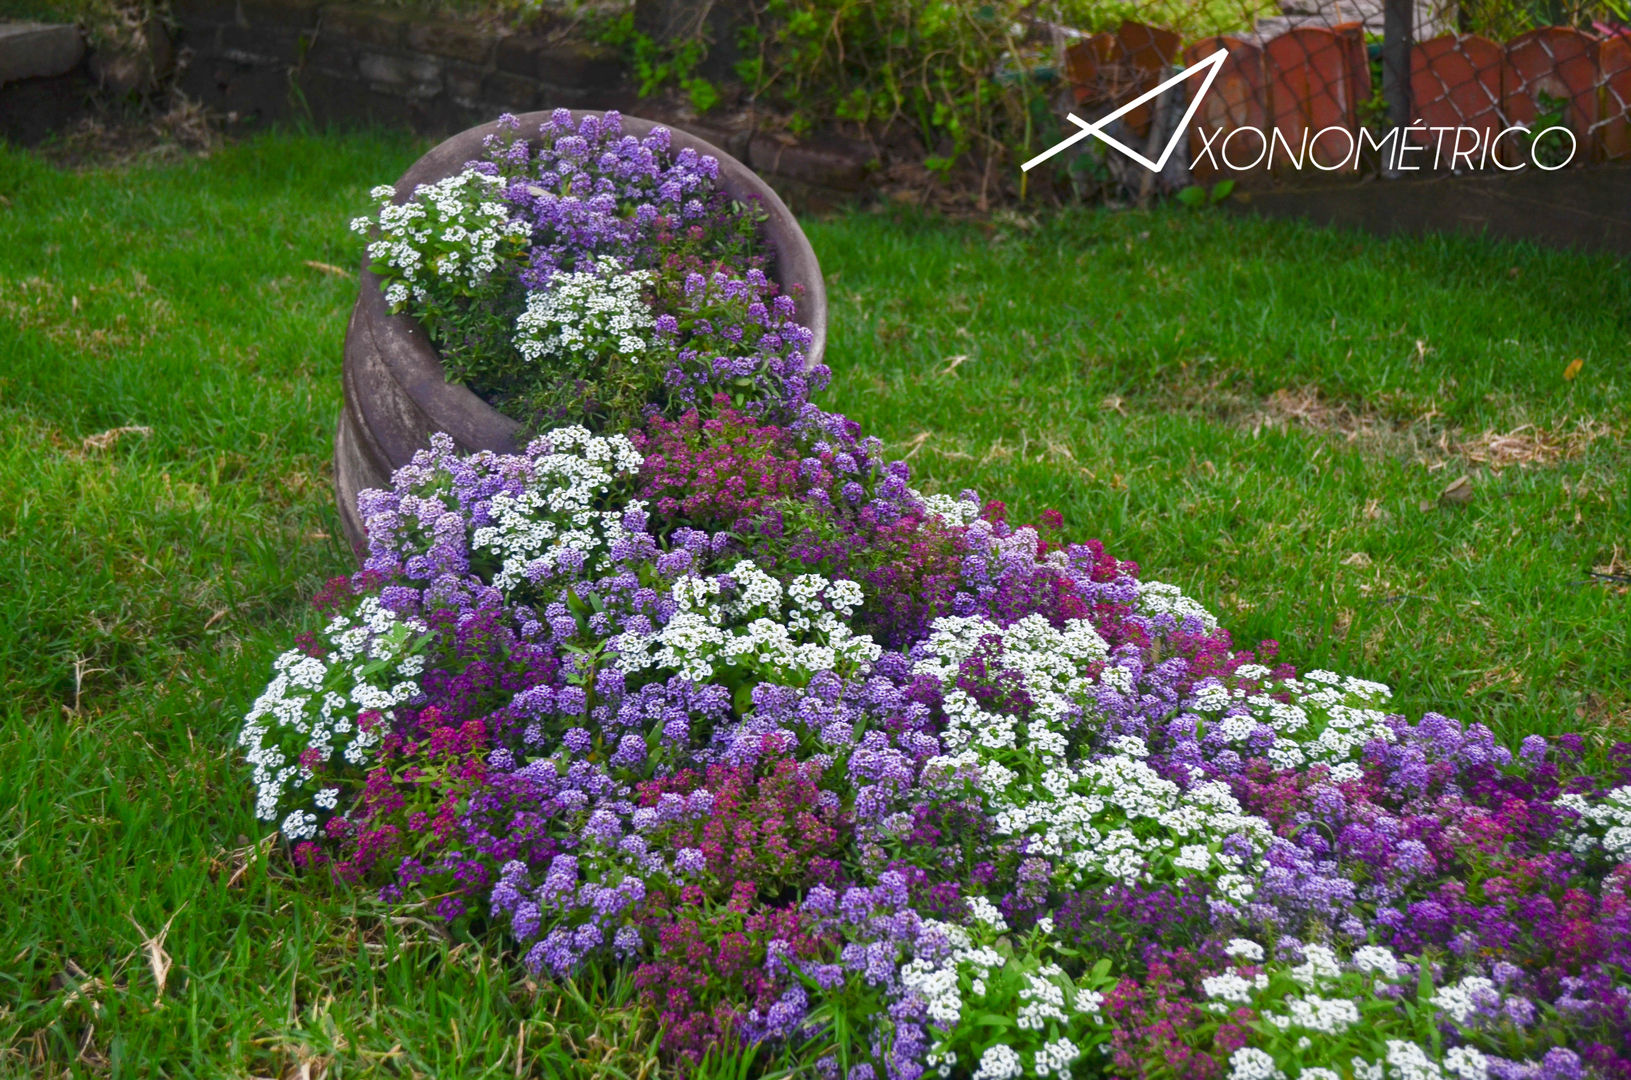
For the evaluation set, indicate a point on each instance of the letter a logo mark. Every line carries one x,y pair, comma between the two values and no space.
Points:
1207,67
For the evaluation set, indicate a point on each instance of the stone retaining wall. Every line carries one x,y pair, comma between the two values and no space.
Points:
266,60
282,59
44,81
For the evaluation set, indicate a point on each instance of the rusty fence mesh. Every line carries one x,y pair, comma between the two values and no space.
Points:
1316,86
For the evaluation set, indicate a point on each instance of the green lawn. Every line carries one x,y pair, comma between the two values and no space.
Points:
1264,414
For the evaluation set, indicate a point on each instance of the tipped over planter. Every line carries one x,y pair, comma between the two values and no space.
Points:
396,394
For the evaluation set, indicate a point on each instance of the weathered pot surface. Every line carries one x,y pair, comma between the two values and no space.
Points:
396,393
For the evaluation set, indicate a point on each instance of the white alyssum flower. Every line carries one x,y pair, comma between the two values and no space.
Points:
982,910
1320,966
1377,958
1466,1062
952,510
1324,1016
1461,999
315,714
1041,1001
456,230
758,629
1327,720
940,1061
1249,1063
587,314
532,532
1158,598
1232,988
999,1063
1111,817
1367,1070
1055,1058
952,980
1407,1061
1605,824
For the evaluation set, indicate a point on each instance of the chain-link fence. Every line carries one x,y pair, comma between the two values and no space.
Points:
1396,87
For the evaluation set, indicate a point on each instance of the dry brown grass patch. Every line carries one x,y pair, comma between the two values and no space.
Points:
1425,438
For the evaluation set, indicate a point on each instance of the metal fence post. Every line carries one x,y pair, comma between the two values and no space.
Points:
1398,33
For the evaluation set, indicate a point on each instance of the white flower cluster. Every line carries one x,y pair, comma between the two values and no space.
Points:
1114,816
1229,988
530,532
948,508
1604,824
583,316
310,715
1311,1011
999,1062
706,635
1053,663
1466,1062
1327,1005
981,910
1046,994
1056,1057
1249,1063
1320,967
1328,719
1041,999
1401,1060
1407,1061
1321,1015
937,982
455,229
1462,999
1377,958
1158,598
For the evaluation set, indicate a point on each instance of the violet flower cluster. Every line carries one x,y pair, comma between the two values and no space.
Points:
650,701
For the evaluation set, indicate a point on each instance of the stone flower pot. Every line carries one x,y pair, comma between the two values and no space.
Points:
396,394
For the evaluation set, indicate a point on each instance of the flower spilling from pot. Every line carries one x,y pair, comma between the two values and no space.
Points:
882,783
582,275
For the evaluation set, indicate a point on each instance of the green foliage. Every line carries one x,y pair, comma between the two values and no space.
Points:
1199,195
971,79
1373,111
997,991
1555,152
932,67
1502,20
657,66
